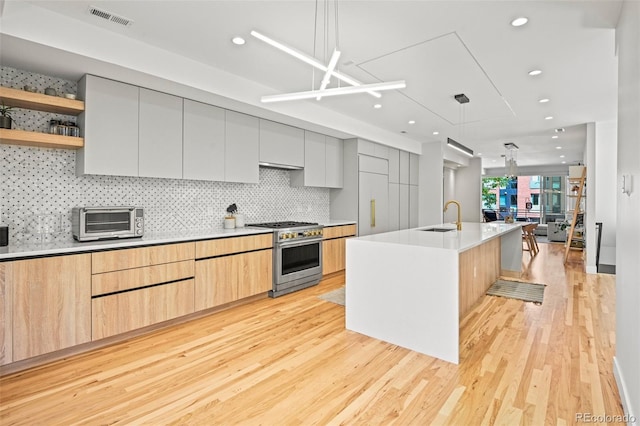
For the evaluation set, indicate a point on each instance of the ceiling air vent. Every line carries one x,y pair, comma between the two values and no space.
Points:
110,16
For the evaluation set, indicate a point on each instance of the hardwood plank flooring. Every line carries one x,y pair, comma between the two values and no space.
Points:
289,361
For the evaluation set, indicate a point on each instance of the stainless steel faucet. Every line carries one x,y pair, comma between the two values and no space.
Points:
459,222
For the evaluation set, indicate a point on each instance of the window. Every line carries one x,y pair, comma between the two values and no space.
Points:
535,199
534,182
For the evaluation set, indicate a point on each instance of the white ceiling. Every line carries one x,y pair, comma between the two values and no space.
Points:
441,48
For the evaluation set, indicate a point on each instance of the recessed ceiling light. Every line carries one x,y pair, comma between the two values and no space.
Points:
403,131
535,72
549,117
559,130
377,106
562,156
558,147
554,137
564,162
543,100
238,40
518,22
436,133
493,161
479,153
412,121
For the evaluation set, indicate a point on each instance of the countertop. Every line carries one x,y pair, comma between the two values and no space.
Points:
471,235
69,245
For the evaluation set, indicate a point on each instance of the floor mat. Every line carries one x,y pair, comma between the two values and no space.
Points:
529,292
335,296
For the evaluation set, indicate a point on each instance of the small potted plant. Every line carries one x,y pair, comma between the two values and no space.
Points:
5,117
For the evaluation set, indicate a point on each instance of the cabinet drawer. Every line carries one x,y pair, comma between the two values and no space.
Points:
222,246
117,260
339,231
127,311
111,282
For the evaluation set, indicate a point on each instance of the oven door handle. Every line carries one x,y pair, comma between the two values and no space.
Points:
299,243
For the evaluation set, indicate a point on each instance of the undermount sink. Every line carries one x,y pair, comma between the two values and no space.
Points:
439,229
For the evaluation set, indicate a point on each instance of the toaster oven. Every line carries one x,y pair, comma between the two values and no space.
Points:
103,223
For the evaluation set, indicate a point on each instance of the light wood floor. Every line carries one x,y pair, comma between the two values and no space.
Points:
290,361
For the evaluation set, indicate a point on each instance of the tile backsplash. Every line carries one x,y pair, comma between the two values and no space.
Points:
43,181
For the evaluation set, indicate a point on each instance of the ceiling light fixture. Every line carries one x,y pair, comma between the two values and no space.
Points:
238,40
562,156
333,92
543,100
518,22
549,117
412,121
329,70
535,72
554,137
377,106
558,147
564,162
559,130
510,159
459,147
436,133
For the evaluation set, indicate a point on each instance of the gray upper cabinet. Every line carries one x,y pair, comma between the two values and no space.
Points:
372,149
322,162
414,166
334,162
281,144
404,167
394,206
413,206
203,142
394,165
404,206
110,126
160,135
242,147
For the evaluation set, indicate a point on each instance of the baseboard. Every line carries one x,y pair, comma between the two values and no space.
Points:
627,408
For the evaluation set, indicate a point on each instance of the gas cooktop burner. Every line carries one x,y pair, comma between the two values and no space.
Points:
279,225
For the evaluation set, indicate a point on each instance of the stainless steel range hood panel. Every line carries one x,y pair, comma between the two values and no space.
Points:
279,166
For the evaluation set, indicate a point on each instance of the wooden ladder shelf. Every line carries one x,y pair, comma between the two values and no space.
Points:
578,181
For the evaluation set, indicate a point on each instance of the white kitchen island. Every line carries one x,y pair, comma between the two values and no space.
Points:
411,287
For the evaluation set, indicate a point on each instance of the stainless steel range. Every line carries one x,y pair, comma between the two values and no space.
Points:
297,258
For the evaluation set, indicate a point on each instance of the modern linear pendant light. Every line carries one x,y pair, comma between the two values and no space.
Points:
330,70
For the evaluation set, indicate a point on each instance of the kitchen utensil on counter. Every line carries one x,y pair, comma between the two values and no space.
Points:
239,220
50,91
28,88
229,222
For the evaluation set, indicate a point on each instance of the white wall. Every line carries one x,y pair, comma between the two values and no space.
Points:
627,359
449,193
468,190
606,188
430,184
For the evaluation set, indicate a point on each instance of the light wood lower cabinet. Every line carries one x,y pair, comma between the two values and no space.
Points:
51,303
225,279
479,267
6,317
115,260
122,312
334,247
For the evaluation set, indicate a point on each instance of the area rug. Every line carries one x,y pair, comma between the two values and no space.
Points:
529,292
335,296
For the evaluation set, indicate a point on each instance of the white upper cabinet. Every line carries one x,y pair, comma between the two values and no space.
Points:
334,162
110,126
160,135
281,144
404,167
203,142
394,165
394,206
242,147
414,160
